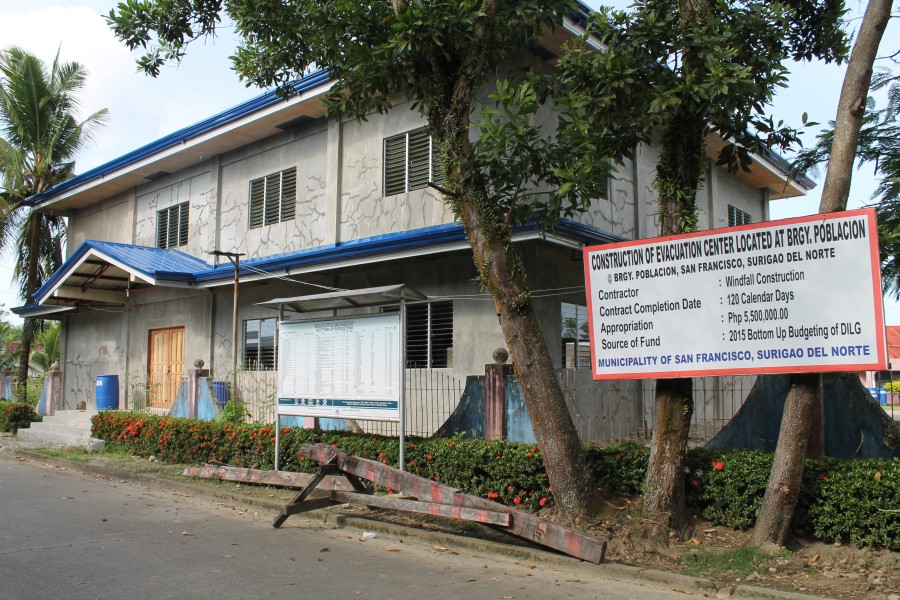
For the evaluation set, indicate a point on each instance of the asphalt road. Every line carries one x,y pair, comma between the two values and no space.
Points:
72,536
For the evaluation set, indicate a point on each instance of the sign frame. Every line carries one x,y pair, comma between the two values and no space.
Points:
877,360
371,407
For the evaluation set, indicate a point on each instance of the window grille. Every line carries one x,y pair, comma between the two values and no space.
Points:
576,341
273,198
738,217
259,344
429,335
411,161
172,226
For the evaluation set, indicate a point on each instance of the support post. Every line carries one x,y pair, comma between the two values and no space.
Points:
495,395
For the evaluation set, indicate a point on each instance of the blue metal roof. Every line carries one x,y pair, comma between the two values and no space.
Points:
183,135
175,267
157,264
262,102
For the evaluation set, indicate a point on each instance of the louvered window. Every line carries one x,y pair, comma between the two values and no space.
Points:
410,161
273,198
576,344
259,344
738,217
429,335
172,226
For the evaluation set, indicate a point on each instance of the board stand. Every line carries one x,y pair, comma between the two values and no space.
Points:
430,498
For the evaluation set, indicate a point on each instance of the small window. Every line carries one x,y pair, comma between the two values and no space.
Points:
259,344
273,198
411,161
576,341
429,335
172,226
738,217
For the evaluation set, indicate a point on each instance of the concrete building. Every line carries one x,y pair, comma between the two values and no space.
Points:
314,203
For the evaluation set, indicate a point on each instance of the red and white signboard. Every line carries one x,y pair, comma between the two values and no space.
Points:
798,295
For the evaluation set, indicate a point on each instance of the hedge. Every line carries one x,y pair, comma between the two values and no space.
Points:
15,416
853,501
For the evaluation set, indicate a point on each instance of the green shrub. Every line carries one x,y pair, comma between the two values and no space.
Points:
852,501
15,416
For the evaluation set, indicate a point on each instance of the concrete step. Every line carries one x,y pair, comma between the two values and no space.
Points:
30,437
64,428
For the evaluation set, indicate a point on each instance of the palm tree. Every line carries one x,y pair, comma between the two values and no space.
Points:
39,137
46,349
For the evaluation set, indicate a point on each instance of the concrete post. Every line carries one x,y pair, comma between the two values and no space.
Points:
495,395
194,376
53,389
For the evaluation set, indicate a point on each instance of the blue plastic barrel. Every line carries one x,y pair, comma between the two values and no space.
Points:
883,396
221,393
107,392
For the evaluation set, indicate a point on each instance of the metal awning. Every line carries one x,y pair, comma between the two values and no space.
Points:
35,311
374,296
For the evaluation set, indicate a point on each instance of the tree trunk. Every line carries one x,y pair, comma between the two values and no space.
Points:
800,408
783,488
664,488
502,273
852,105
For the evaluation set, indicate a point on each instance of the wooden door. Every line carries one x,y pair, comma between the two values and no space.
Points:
165,365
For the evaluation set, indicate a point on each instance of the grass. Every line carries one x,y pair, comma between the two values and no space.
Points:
736,562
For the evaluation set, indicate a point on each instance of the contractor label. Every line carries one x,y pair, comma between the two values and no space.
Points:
799,295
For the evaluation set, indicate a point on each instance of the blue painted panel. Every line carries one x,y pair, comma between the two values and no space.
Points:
518,422
180,405
855,426
468,417
207,409
332,424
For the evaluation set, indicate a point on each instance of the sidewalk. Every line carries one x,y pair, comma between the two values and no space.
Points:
419,527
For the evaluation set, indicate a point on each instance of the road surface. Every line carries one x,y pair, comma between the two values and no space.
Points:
72,536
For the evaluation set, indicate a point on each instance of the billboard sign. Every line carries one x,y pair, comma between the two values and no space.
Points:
798,295
345,368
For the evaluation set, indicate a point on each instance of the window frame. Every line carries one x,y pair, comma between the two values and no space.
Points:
260,362
272,199
429,343
410,161
581,342
168,236
738,217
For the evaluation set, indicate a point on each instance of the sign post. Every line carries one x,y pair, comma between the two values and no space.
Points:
799,295
342,368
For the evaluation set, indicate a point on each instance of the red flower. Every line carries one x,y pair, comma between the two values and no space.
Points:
510,488
543,501
695,483
823,477
384,462
533,450
411,445
618,456
517,500
498,457
719,465
430,457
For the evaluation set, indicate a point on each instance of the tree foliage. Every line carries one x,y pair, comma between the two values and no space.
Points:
523,158
680,71
40,134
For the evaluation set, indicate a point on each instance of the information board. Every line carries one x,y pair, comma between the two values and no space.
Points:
345,368
798,295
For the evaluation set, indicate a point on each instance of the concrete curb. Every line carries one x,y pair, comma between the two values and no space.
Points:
676,582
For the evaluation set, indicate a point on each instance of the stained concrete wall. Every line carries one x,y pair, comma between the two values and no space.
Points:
339,198
111,220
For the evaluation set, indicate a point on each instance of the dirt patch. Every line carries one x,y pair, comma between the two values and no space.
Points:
806,566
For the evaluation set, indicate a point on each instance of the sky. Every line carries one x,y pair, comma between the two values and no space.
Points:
143,109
